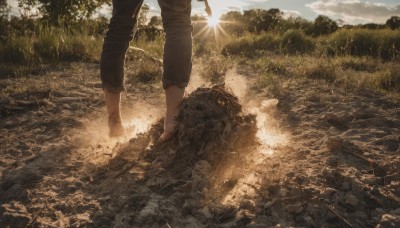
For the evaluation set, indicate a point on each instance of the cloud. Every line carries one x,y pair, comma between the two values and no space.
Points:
14,7
355,11
290,13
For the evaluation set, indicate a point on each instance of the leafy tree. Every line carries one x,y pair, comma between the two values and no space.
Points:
4,9
233,23
65,10
142,20
259,20
323,25
296,23
393,22
272,18
372,26
155,21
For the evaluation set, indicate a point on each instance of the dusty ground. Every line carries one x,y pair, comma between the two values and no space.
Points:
316,156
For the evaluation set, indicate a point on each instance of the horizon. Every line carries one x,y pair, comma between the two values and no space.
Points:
350,11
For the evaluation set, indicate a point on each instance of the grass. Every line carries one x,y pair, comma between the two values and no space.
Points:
215,68
358,58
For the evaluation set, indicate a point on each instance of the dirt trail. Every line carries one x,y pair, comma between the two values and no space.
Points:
322,157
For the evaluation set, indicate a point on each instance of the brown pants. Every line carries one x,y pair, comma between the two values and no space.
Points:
177,48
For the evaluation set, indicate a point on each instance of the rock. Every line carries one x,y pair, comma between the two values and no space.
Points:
247,205
149,212
296,192
328,192
364,113
389,220
243,218
294,208
332,161
14,214
205,211
334,143
335,119
397,211
389,178
371,179
188,207
351,200
346,185
270,204
283,192
290,174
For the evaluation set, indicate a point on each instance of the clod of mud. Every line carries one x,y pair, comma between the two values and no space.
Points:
211,124
173,180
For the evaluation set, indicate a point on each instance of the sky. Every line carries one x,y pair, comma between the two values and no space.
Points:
350,11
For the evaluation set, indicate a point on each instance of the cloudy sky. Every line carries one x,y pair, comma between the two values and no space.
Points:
351,11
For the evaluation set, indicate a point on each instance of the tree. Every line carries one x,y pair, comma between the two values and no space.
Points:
393,22
142,19
323,25
65,10
155,21
233,23
4,10
259,20
272,18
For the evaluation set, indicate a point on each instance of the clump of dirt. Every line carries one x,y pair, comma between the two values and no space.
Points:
175,177
211,124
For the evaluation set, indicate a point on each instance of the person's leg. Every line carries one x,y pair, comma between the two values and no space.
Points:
177,58
116,43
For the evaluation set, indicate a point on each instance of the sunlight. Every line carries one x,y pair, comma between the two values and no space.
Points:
213,21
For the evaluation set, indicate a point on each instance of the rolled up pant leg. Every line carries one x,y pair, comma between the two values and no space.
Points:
116,42
178,42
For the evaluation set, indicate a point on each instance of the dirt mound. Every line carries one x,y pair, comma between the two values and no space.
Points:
176,177
211,124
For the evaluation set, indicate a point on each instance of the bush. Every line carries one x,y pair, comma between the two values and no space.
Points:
360,64
389,79
16,51
383,44
322,72
250,45
295,41
47,46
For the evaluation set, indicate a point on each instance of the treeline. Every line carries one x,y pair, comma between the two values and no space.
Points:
273,21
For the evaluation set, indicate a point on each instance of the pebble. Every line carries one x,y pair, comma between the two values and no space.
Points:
397,211
269,204
351,200
205,211
294,208
389,220
296,192
328,192
346,186
332,161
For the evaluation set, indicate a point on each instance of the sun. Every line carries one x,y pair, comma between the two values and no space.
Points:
213,21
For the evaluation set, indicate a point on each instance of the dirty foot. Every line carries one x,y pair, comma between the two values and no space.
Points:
169,130
116,128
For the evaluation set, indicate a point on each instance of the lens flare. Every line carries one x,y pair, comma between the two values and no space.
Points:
213,21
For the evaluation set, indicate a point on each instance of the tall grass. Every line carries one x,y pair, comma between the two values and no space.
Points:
47,45
382,44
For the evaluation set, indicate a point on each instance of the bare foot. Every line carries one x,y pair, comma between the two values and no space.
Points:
174,97
116,128
169,130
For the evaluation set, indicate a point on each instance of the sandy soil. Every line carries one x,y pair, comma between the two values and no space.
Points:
315,156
